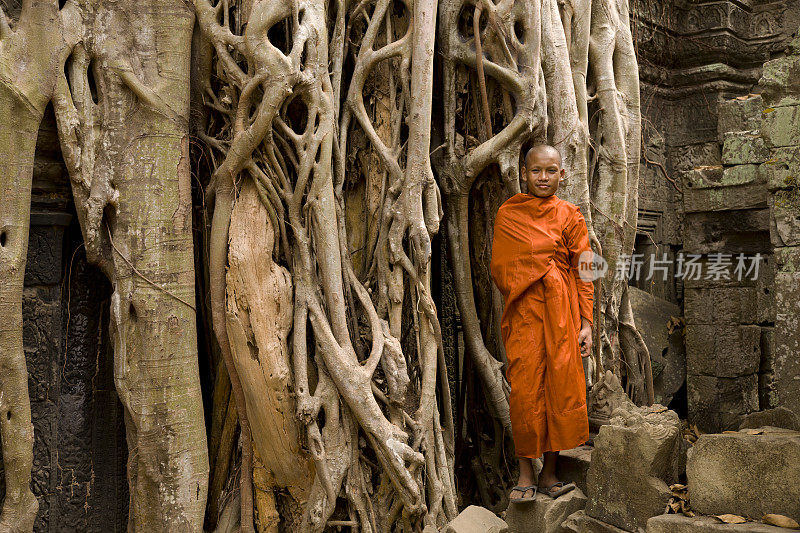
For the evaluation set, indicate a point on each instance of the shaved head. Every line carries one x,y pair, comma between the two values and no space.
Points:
542,149
542,170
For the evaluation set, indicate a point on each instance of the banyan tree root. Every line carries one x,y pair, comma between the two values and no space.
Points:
374,435
614,82
121,109
17,144
259,307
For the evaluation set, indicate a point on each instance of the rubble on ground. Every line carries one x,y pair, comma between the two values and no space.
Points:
544,514
637,455
749,473
678,523
475,519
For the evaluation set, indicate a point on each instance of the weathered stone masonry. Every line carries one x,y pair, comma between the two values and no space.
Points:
699,61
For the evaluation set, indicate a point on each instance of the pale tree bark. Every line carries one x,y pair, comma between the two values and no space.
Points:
122,113
318,131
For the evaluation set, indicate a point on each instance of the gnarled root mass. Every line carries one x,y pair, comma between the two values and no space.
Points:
318,132
323,111
373,429
26,86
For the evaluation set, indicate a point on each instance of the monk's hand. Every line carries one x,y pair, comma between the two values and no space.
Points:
585,338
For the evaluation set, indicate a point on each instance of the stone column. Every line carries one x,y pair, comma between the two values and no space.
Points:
781,131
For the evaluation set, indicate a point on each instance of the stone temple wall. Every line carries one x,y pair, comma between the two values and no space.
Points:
780,129
702,192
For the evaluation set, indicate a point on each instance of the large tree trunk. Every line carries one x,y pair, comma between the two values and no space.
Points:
123,120
17,143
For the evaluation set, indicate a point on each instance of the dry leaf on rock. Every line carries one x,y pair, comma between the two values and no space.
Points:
674,323
781,521
731,518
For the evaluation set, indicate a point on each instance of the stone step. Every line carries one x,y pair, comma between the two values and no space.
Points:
746,474
580,522
678,523
544,514
637,455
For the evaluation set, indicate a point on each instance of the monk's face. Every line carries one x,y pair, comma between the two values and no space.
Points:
543,173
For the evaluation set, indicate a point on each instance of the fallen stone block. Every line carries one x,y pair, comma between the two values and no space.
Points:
580,522
475,519
636,456
652,315
544,514
678,523
779,417
745,474
573,465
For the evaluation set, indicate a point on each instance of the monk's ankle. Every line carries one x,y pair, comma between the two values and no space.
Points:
545,482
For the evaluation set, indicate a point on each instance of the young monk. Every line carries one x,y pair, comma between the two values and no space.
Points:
547,321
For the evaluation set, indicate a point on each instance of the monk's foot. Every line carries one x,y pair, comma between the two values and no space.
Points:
554,490
522,493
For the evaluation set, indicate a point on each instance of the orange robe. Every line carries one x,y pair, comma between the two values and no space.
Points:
535,251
